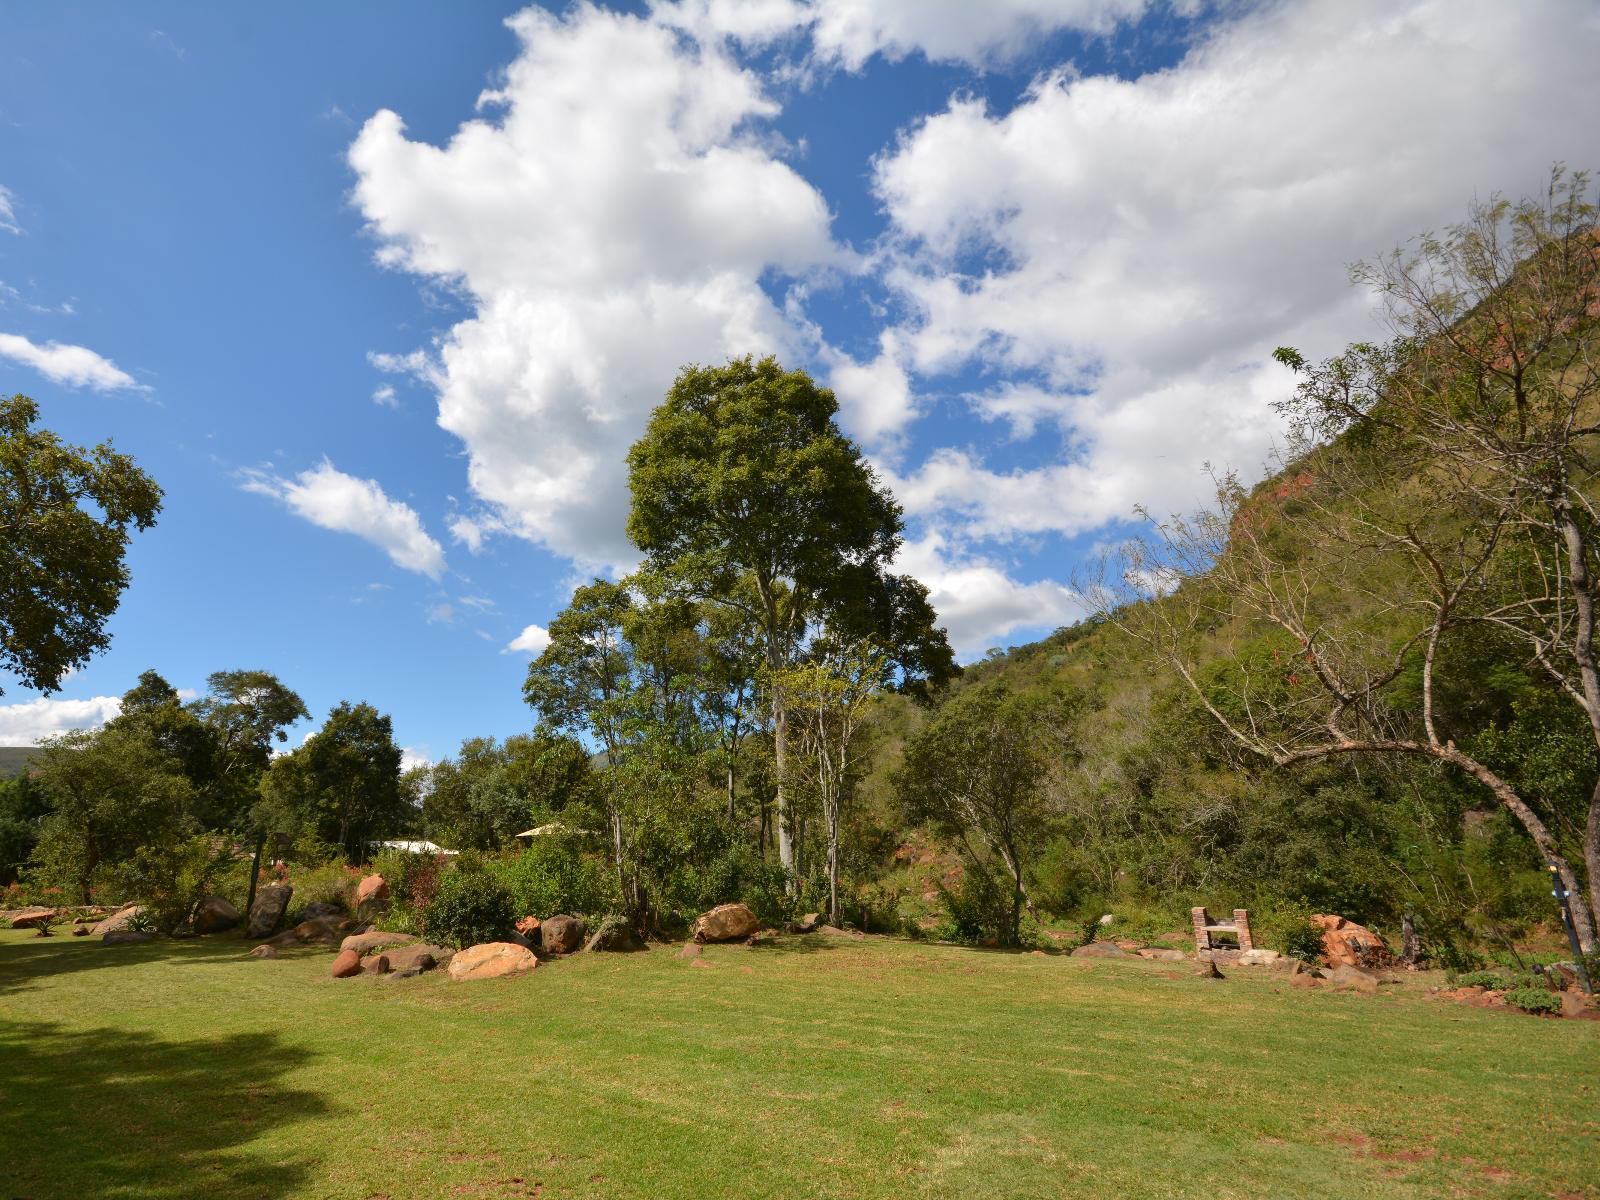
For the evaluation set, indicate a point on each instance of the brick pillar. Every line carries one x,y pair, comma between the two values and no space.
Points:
1202,939
1241,919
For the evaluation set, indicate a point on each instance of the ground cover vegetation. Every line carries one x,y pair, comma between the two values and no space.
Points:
870,1067
1365,687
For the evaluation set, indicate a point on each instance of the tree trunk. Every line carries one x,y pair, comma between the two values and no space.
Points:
833,860
1581,585
732,814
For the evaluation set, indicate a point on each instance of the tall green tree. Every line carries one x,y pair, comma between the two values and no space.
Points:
743,476
65,517
978,771
111,792
343,785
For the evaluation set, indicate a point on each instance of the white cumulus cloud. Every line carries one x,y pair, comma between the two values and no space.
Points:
532,640
979,603
1146,243
606,236
75,366
30,722
330,499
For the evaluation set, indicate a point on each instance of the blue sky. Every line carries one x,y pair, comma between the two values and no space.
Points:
380,293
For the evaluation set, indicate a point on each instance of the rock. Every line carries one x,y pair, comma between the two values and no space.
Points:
345,964
560,934
1106,919
408,973
271,903
725,923
699,962
1099,950
124,937
516,939
615,937
377,939
809,923
1287,964
691,950
264,951
319,910
375,964
214,915
371,889
1305,980
80,931
1162,955
1574,1004
32,918
1037,954
1353,979
835,931
120,919
528,927
420,956
1259,958
322,929
1345,943
1208,970
1128,944
492,960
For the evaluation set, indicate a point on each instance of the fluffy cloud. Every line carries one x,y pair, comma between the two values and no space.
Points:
850,32
8,212
29,723
412,758
605,236
75,366
329,498
978,602
532,640
1159,236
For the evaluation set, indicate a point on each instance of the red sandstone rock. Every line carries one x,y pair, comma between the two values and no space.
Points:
491,960
346,964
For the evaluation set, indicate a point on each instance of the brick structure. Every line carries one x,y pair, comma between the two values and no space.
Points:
1204,926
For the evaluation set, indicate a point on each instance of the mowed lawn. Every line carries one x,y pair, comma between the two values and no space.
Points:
823,1066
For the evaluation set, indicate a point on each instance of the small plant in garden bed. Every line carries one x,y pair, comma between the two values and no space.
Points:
1484,979
1533,1000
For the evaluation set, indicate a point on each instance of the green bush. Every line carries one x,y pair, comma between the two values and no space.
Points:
412,877
470,907
1483,979
329,884
552,876
171,880
977,909
1287,928
1533,1000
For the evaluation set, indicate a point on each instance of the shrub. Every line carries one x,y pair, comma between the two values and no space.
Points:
977,909
1483,979
330,884
412,878
171,880
552,876
1533,1000
1287,928
469,907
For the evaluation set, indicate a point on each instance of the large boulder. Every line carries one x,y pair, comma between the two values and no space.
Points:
271,903
528,927
32,918
375,964
1157,954
119,920
327,930
321,909
264,951
1344,943
1099,950
614,935
371,889
1258,958
491,960
560,935
376,939
214,915
419,956
124,937
1353,979
810,922
725,923
346,964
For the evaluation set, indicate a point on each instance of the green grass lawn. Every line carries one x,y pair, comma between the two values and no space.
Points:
819,1067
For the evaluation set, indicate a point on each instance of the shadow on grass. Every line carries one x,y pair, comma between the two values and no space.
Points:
24,963
114,1112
